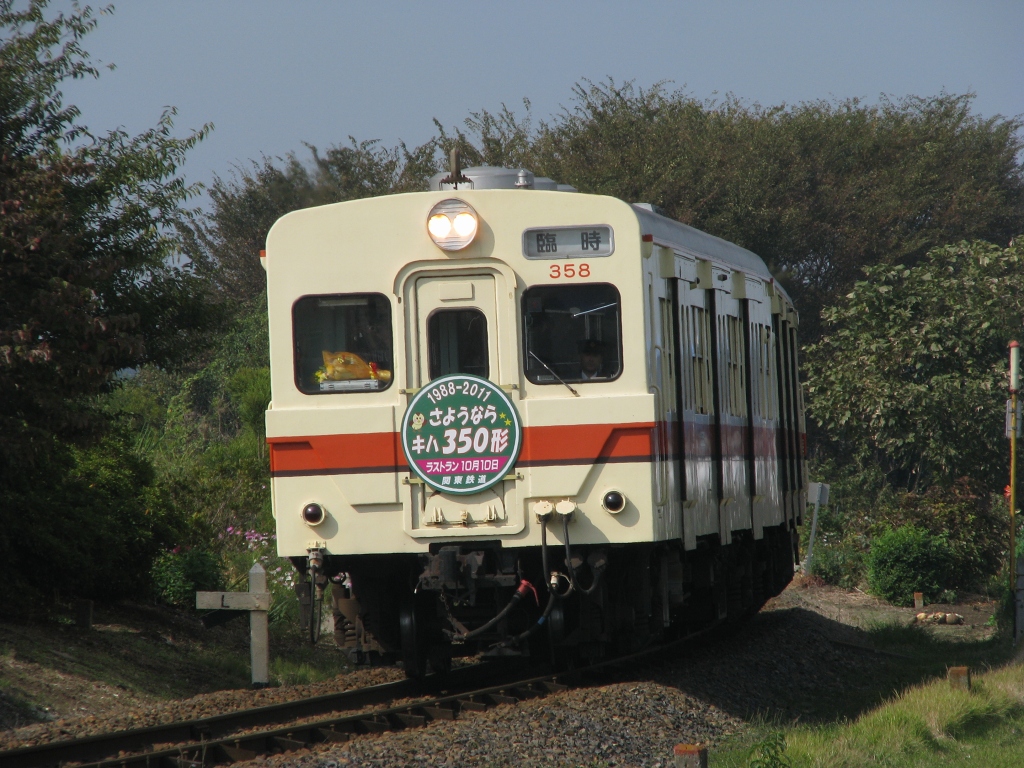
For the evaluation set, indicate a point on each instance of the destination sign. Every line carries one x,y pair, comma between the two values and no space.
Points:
568,242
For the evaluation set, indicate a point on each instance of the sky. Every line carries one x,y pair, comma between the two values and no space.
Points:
273,75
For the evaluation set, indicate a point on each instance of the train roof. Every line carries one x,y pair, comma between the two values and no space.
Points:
698,243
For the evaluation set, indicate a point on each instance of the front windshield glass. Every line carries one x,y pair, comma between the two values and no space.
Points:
342,343
572,333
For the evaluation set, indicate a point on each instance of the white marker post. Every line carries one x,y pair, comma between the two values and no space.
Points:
818,494
257,601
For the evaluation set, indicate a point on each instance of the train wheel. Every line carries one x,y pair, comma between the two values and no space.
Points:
561,655
414,646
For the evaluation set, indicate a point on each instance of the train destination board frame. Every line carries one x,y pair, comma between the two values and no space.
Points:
461,434
568,242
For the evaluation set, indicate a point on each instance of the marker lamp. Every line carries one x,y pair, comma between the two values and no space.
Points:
452,224
313,514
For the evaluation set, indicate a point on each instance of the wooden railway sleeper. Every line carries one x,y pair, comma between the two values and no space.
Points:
502,698
279,744
471,704
376,724
410,720
440,712
332,735
236,753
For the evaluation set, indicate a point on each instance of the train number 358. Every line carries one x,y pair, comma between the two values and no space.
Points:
569,271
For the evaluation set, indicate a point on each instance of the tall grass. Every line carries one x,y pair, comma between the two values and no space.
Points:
930,724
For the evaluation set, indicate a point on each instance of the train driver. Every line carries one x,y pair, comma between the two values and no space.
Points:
592,360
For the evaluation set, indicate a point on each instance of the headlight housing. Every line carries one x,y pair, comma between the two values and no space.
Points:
452,224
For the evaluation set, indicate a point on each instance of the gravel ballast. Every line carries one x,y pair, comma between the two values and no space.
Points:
796,660
783,664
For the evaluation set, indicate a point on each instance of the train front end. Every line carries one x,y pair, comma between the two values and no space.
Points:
463,430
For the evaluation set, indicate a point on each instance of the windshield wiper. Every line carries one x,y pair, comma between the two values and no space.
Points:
548,367
595,309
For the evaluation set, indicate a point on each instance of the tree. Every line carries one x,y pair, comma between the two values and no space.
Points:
911,374
89,285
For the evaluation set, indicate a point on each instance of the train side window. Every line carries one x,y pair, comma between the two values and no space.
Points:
572,333
342,343
700,357
730,330
458,342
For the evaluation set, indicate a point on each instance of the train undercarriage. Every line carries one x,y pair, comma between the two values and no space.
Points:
556,602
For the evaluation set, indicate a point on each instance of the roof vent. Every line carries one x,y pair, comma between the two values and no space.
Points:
492,177
525,179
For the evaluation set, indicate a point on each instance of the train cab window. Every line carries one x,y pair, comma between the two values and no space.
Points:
572,333
343,343
458,342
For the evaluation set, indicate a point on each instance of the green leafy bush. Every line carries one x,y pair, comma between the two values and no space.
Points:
906,560
975,527
863,507
179,574
94,516
840,564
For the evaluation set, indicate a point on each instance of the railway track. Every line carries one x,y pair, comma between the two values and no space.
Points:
244,735
227,738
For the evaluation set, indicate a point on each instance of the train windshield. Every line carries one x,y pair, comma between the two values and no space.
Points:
572,333
343,343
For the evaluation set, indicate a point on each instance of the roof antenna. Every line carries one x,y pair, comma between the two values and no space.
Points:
456,175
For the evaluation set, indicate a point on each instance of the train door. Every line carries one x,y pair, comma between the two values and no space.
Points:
456,324
697,415
798,397
460,322
662,378
791,428
763,407
787,433
732,420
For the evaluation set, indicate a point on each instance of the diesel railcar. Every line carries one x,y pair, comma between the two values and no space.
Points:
510,418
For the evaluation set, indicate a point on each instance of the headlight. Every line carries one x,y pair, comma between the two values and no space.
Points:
440,226
452,224
465,225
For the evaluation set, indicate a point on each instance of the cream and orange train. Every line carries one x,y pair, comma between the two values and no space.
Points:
509,417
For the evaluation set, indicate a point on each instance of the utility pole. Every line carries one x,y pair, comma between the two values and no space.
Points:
1014,382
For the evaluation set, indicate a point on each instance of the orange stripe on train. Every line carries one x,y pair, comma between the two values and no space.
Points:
381,451
542,446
